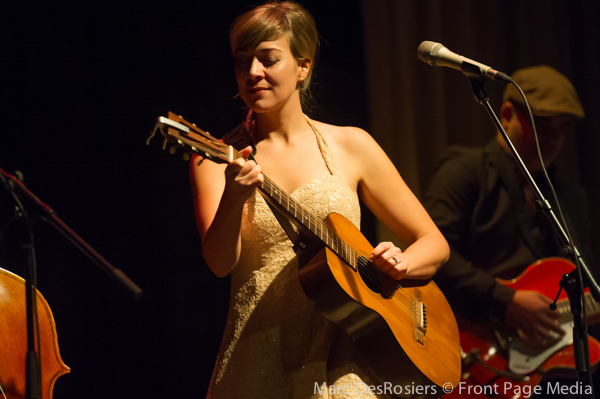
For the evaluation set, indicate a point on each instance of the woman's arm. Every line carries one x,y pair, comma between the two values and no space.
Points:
219,195
385,193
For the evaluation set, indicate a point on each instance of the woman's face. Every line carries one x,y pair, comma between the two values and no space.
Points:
268,75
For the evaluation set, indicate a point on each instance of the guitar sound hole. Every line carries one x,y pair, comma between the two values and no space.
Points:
375,279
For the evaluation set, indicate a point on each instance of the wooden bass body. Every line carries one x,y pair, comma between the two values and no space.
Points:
13,340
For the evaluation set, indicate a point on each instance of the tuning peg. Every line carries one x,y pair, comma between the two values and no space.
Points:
186,156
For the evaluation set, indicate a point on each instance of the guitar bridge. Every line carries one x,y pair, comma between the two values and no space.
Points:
420,315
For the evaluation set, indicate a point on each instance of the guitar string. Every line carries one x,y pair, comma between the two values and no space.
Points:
397,288
390,284
403,299
369,272
566,314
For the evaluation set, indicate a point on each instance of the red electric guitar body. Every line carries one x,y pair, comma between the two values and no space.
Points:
524,368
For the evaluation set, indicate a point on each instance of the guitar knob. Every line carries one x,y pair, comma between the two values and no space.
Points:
186,156
172,150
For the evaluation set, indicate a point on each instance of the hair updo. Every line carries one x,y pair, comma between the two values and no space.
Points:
272,21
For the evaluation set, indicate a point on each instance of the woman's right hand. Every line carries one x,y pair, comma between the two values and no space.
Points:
242,177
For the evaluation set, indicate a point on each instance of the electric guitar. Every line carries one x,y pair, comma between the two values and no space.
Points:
495,356
405,329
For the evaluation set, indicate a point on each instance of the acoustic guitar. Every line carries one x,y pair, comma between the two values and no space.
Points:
495,355
405,329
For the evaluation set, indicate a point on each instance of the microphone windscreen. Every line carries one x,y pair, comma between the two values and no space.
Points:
427,52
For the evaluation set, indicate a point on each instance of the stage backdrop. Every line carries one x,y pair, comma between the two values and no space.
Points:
416,110
82,83
81,86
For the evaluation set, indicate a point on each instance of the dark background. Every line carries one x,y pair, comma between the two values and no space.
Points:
81,86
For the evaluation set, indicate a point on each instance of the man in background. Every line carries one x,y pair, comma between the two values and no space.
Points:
485,208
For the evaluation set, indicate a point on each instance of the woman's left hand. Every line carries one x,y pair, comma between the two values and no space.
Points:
390,259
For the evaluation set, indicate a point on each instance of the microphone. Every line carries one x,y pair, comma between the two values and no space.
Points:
435,54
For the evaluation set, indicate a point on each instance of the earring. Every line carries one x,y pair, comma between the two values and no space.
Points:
301,79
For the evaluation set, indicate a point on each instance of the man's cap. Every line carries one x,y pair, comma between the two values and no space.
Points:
548,92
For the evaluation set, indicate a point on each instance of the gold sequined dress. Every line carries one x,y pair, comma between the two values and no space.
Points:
276,345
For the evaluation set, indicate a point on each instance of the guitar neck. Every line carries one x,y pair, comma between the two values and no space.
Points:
182,134
301,215
591,306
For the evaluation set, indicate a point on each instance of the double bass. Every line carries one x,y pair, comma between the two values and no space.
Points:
13,340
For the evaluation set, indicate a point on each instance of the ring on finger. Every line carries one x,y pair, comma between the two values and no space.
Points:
395,260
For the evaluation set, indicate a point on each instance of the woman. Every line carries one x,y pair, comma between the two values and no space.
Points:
275,343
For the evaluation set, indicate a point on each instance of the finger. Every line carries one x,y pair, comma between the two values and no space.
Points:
533,334
241,168
249,167
544,298
249,173
553,314
235,167
382,255
552,325
380,249
386,261
255,177
535,342
246,151
542,333
399,271
386,264
542,326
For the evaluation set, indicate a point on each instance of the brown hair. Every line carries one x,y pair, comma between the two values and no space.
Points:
273,20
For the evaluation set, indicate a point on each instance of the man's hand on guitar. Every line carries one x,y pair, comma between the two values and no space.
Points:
529,313
390,259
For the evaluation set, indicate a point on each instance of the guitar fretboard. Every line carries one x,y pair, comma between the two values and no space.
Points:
196,141
330,238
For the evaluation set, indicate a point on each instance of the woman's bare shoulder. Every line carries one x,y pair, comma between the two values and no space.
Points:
349,138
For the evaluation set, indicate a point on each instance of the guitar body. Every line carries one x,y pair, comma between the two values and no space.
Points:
542,276
383,324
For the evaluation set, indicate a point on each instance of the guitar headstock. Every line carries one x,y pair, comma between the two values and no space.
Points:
181,134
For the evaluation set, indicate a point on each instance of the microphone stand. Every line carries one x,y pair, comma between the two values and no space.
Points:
33,373
572,282
14,187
